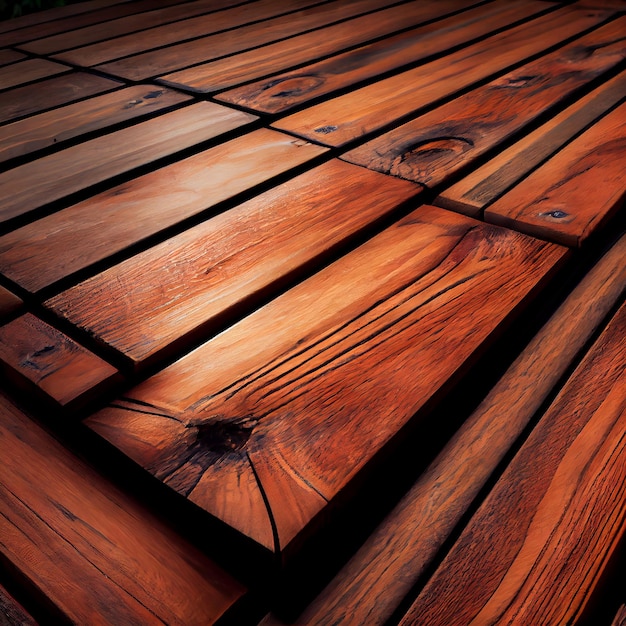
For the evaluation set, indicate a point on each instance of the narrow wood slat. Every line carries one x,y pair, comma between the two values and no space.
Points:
571,195
344,118
12,612
34,184
435,145
344,360
93,551
36,355
53,127
370,588
284,91
10,56
111,221
488,182
28,71
9,303
533,552
620,616
223,265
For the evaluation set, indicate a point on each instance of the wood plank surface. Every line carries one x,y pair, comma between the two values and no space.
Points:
224,264
109,222
12,612
10,56
284,91
345,359
534,550
57,175
435,145
28,71
36,355
572,194
9,303
620,616
93,551
339,120
488,182
370,588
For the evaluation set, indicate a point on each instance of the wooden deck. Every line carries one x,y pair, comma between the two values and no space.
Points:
312,312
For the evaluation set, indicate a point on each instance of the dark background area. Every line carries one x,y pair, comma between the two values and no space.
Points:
15,8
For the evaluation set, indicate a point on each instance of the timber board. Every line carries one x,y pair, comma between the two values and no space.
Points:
28,71
10,56
9,303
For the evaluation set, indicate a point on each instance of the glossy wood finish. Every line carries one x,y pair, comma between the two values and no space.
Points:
9,303
28,71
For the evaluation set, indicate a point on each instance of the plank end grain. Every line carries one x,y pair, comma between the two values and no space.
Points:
10,304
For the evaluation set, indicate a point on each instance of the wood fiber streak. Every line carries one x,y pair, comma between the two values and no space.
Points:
620,617
488,182
344,118
313,384
38,356
382,573
12,611
209,77
533,552
215,267
34,184
437,144
571,195
10,56
284,91
28,71
111,221
46,129
94,552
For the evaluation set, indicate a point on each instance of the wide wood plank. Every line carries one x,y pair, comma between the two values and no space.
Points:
571,195
10,56
93,551
344,118
9,303
369,589
104,224
28,71
488,182
224,264
533,552
284,91
344,359
12,612
39,182
437,144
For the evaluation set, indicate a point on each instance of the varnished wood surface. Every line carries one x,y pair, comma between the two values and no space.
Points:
28,71
9,303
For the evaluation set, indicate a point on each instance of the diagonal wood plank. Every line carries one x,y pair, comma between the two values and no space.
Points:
9,303
8,56
29,71
12,611
345,360
104,224
555,201
224,264
339,120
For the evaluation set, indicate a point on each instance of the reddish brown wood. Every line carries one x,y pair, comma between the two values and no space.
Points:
57,175
9,303
344,118
12,612
37,355
28,71
10,56
224,264
111,221
93,551
344,360
534,551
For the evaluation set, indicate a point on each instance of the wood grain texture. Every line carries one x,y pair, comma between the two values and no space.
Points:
46,129
224,264
94,551
28,71
9,303
488,182
534,550
37,355
34,184
339,120
272,58
10,56
344,360
620,616
572,194
46,94
369,589
435,145
284,91
111,221
12,612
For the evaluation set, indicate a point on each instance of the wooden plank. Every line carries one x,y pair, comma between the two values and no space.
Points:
333,361
54,127
344,118
109,222
435,145
47,94
10,56
37,356
620,616
382,573
576,191
488,182
534,550
224,264
12,612
9,303
284,91
92,550
39,182
272,58
28,71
